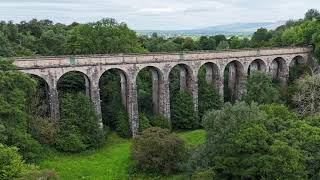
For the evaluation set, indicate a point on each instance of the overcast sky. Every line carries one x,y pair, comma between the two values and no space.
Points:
158,14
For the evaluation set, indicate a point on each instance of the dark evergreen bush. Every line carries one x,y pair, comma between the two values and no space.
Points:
79,128
158,151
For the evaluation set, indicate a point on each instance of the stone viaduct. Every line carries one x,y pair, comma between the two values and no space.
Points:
239,63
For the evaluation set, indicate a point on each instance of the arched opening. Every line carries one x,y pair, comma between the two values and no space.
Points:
257,65
278,70
113,94
73,82
209,83
234,81
298,68
183,115
39,105
148,83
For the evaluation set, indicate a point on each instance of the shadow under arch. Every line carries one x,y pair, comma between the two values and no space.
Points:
298,67
234,81
73,82
113,85
278,70
183,97
39,105
209,87
257,65
149,82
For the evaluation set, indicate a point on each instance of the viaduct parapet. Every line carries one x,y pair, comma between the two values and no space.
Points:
239,63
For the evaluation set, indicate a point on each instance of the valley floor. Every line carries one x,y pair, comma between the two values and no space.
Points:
108,162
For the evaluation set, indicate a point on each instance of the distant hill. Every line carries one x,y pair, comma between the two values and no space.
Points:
244,29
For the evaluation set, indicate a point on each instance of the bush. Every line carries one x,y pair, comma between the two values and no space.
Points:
29,148
44,174
78,128
44,130
70,143
11,163
144,122
122,123
183,115
158,151
160,121
261,89
203,174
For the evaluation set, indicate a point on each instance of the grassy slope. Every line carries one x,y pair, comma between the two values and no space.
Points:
108,162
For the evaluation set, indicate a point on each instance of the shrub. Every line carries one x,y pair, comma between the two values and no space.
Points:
122,123
70,143
144,122
260,89
203,174
78,128
160,121
28,147
183,115
158,151
44,174
44,130
11,163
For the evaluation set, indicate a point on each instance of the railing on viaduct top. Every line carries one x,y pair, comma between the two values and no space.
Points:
98,59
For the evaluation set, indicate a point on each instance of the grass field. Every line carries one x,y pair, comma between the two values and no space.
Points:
108,162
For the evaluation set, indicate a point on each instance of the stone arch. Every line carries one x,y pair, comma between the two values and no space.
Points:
186,76
157,81
297,68
83,84
235,81
257,65
40,104
113,94
297,60
212,74
279,69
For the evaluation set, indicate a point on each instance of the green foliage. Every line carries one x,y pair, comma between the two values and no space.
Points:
209,97
110,93
122,123
160,121
158,151
144,122
203,174
245,141
223,45
45,174
78,126
183,115
11,163
260,89
15,89
44,130
261,37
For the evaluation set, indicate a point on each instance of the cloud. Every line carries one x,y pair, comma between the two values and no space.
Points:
155,14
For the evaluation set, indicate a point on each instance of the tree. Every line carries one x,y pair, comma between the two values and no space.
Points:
260,37
183,115
15,90
260,89
11,163
209,97
245,142
79,128
223,45
307,95
158,151
312,14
